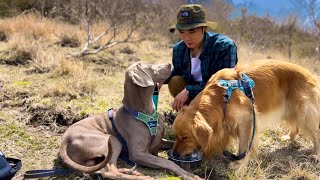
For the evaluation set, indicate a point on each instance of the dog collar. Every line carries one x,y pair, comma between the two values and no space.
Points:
151,121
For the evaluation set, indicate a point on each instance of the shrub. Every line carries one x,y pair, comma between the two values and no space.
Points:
3,36
67,41
126,50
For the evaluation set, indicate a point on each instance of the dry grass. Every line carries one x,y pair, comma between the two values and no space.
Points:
43,93
34,27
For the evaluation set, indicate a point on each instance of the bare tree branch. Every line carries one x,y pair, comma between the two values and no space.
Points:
125,20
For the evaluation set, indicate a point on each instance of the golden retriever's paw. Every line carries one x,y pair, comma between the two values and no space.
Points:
285,138
294,145
315,158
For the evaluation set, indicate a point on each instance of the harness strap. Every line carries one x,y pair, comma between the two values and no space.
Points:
242,155
245,84
124,155
119,137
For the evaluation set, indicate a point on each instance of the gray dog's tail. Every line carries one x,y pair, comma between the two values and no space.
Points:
65,159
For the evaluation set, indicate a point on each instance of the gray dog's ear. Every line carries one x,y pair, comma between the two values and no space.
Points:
140,77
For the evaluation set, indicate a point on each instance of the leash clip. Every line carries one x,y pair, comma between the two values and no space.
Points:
247,84
226,98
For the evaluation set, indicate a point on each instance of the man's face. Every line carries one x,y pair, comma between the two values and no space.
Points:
192,37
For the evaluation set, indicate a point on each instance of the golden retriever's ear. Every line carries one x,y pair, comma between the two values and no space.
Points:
202,132
140,76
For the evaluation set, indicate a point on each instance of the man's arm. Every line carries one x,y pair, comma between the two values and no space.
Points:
194,90
227,49
229,56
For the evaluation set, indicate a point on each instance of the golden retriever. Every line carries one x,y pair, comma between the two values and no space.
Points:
283,91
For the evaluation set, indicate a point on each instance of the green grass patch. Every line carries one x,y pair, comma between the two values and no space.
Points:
14,134
22,83
170,178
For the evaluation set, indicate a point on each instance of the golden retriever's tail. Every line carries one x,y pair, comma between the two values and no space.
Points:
65,159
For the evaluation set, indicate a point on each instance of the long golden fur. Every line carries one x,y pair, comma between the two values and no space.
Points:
283,91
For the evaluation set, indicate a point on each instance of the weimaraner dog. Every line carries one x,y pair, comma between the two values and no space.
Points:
92,144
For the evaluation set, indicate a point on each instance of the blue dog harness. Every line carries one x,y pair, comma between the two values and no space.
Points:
245,84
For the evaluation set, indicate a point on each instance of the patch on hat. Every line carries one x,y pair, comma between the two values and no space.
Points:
185,14
191,16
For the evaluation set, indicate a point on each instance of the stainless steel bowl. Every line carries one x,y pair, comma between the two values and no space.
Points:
188,162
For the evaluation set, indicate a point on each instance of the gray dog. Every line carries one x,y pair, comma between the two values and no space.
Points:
93,144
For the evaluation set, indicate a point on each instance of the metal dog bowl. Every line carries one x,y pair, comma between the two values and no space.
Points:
188,162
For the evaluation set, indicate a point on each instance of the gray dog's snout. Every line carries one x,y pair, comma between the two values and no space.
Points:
168,66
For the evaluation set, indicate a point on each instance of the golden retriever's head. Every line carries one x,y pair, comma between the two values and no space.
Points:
199,126
191,132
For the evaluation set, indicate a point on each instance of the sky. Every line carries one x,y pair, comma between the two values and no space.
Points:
265,3
279,9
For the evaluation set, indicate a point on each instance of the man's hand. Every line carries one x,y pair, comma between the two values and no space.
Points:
180,99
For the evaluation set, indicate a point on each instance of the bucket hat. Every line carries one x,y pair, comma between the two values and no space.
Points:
191,16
